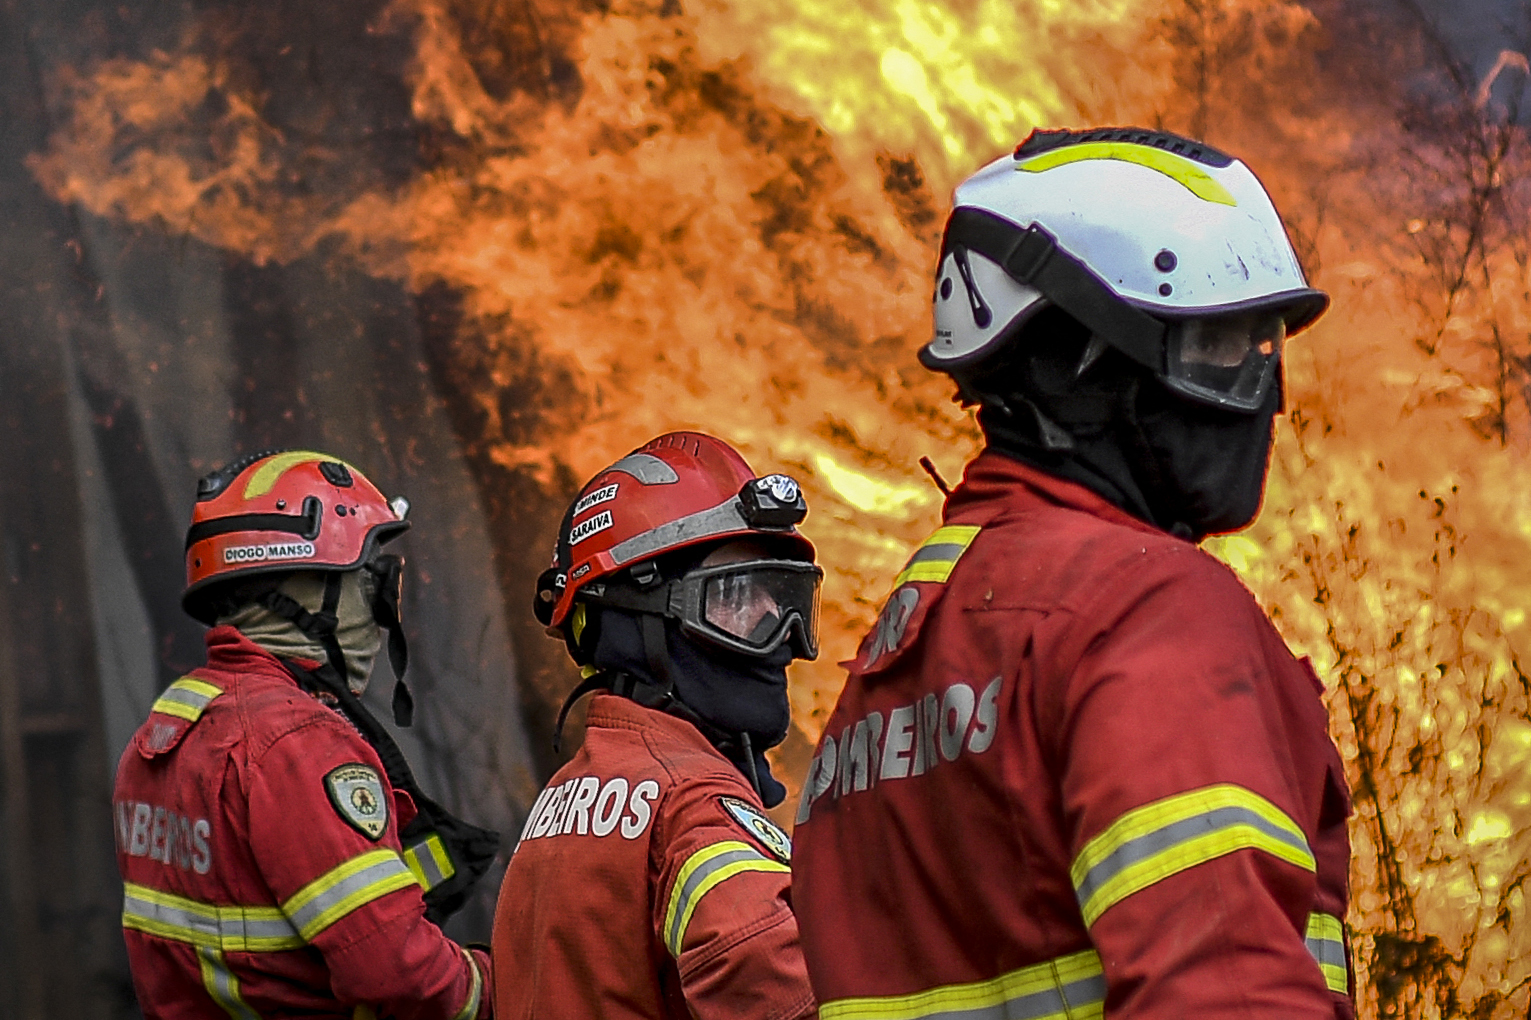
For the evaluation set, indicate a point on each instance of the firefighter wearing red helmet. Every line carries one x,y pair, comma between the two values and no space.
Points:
277,857
1075,771
648,881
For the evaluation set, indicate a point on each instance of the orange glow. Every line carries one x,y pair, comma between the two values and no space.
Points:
732,230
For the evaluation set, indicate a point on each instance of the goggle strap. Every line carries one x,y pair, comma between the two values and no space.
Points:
658,600
1032,257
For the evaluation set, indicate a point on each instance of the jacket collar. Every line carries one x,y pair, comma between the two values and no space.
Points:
612,711
997,488
229,651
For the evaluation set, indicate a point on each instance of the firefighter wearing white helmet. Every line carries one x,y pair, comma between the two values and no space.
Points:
1161,259
1075,770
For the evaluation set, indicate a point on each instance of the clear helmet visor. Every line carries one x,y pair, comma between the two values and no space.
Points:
1227,361
756,606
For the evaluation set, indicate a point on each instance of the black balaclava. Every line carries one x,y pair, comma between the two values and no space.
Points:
734,693
1185,467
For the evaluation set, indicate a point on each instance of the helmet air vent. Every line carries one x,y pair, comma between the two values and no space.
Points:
1044,141
336,474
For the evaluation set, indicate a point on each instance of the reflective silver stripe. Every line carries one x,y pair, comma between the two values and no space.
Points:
191,699
353,884
1327,951
647,468
422,859
186,698
197,924
705,869
470,1008
1072,987
939,551
1326,943
222,985
1214,831
232,929
725,518
1060,1001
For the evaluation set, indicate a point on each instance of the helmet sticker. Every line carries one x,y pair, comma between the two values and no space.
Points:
604,494
591,526
356,792
647,468
265,477
1177,168
263,553
755,822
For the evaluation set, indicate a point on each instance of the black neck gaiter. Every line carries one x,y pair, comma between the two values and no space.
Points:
1189,469
1201,468
734,693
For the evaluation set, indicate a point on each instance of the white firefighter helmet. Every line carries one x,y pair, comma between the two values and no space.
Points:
1163,247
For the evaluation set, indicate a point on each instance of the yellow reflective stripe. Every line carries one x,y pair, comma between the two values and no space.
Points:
268,474
702,871
232,929
434,867
1072,987
344,888
1153,842
470,1008
186,698
1185,172
222,985
938,554
1326,941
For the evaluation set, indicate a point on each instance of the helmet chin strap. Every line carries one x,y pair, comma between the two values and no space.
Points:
321,626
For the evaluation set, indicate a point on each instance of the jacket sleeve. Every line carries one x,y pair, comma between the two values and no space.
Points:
723,909
349,894
1191,771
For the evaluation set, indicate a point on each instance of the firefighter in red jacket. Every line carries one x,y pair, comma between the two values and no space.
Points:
1075,771
648,881
277,858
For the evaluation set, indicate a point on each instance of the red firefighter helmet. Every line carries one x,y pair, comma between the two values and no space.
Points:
680,491
279,511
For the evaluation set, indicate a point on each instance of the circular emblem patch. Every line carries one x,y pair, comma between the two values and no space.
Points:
762,828
356,791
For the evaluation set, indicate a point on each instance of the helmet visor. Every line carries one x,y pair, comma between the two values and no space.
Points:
755,606
1227,361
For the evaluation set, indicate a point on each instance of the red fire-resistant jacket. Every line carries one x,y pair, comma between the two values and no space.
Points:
257,836
1074,768
648,883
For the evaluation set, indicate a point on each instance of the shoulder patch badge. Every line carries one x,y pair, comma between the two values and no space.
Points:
357,793
758,825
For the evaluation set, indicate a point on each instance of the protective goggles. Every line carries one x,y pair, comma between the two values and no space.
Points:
1228,361
752,607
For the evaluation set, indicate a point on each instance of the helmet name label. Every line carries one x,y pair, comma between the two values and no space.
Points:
263,553
605,494
584,529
